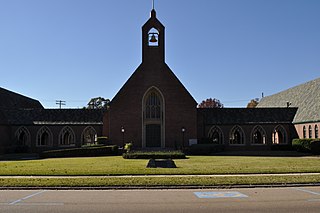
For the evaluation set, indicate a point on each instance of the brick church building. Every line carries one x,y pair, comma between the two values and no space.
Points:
153,110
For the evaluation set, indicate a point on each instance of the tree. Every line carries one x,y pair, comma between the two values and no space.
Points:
253,103
210,103
98,103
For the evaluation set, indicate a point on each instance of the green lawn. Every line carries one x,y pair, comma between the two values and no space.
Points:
193,165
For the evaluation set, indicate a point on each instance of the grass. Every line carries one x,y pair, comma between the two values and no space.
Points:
194,165
155,181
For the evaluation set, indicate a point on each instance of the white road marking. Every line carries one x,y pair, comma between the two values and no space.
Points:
307,191
25,198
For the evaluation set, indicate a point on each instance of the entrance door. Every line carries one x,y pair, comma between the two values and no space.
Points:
153,135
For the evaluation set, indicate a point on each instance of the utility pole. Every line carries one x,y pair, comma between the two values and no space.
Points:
60,103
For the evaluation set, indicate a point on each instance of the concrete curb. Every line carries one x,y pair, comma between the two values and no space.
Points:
164,187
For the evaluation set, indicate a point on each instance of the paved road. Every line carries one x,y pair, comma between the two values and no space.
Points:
302,199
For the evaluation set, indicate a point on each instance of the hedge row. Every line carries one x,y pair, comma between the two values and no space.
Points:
306,145
154,155
81,152
205,149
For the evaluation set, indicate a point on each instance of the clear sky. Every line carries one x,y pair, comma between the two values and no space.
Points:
232,50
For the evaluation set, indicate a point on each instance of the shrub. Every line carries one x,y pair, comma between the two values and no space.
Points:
302,145
128,147
315,147
154,155
102,140
205,149
81,152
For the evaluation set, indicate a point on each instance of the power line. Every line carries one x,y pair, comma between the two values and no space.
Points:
60,103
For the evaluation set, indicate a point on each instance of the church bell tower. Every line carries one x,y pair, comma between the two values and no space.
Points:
153,40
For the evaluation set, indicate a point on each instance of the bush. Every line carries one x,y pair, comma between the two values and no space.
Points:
128,147
302,145
81,152
102,140
154,155
205,149
315,147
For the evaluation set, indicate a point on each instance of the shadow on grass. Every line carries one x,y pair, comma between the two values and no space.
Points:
19,157
265,154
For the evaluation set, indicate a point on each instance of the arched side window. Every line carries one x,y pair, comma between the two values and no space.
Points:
258,135
216,136
279,135
67,137
236,136
316,131
310,131
22,136
44,137
88,136
304,132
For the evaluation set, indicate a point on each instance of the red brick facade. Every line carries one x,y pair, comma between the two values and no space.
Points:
127,109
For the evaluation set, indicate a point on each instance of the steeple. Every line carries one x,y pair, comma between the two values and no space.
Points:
153,39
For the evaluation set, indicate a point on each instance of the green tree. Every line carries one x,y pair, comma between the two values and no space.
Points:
98,103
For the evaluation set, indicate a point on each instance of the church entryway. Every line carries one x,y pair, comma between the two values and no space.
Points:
153,135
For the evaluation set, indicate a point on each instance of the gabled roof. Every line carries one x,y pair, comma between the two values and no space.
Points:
12,100
54,116
241,116
304,96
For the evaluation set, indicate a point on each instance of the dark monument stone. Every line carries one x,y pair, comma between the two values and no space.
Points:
161,163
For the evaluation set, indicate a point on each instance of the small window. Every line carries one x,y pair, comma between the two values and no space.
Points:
310,131
316,133
304,132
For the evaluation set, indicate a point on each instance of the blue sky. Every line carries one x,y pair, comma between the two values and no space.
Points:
232,50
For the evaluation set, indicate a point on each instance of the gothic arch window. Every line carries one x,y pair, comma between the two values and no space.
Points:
215,135
153,121
310,131
304,132
258,135
44,137
88,136
316,131
67,137
22,136
153,37
236,136
279,135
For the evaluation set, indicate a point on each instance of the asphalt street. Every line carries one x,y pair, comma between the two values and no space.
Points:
290,199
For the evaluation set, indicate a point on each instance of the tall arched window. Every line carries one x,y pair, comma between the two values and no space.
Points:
304,132
316,133
44,137
153,107
153,121
66,137
279,135
258,135
88,136
310,131
236,136
215,135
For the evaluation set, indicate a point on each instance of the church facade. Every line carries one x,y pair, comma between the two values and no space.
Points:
152,110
